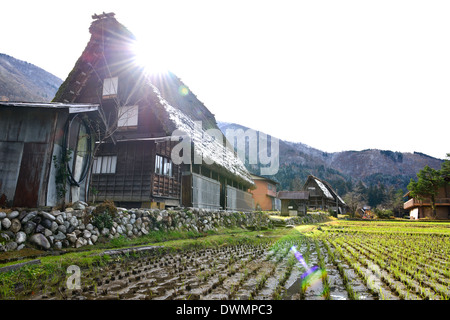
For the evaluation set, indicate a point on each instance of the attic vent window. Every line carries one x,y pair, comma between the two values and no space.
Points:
128,117
110,87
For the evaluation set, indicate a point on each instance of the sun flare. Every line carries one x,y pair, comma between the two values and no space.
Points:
152,58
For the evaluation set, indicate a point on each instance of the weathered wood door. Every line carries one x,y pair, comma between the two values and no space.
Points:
28,183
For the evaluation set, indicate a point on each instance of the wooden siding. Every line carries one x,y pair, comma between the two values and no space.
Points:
186,190
132,180
26,144
108,55
239,199
298,205
30,176
166,187
135,180
317,198
413,202
33,135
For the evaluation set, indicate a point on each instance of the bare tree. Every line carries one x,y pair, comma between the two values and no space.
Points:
118,115
354,201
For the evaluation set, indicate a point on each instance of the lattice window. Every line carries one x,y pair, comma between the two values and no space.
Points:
104,164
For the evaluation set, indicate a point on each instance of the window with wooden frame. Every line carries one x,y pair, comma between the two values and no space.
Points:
110,86
128,117
163,166
104,164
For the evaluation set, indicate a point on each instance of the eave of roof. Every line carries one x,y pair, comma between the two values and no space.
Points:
256,177
72,107
293,195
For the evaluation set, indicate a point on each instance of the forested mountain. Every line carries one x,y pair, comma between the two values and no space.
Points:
344,170
23,81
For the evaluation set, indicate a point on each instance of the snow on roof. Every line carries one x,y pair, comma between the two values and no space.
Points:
206,146
324,189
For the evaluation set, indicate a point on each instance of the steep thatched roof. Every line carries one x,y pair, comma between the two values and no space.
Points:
212,150
178,94
326,188
110,47
110,41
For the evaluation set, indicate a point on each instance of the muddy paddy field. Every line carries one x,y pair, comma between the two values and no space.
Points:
337,261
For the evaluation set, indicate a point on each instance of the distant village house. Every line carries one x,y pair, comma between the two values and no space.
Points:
317,194
322,196
421,208
265,194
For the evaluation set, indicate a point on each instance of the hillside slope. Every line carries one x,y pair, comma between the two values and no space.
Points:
23,81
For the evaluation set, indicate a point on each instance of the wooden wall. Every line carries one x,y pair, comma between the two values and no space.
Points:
132,180
26,146
135,179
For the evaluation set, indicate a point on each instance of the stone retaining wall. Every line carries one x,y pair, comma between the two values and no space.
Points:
75,228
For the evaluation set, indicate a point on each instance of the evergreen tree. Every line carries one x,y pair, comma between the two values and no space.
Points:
445,169
427,185
394,200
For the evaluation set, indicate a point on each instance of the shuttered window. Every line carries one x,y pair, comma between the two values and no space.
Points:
128,116
110,86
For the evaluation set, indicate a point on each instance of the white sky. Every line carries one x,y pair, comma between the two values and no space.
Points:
335,75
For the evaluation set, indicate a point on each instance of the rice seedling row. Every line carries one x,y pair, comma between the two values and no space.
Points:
410,264
423,272
399,284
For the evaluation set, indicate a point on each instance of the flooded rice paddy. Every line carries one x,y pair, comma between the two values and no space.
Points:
337,263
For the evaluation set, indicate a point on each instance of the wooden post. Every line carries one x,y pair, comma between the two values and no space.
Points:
337,203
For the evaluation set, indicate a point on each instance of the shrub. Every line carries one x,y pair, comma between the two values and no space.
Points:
103,215
383,214
102,220
107,206
332,213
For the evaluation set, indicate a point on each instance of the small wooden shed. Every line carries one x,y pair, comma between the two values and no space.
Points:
33,139
293,202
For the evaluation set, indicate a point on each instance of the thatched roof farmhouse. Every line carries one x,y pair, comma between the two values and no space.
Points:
134,165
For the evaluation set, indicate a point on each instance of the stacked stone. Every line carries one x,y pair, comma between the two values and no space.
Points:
73,227
45,229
